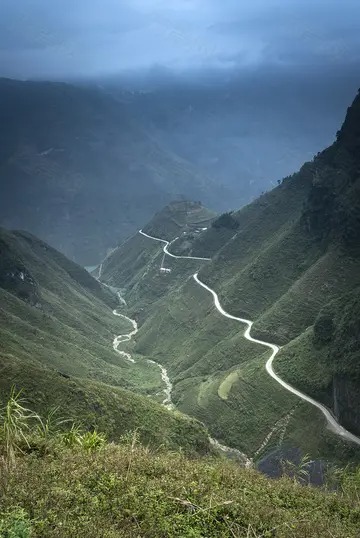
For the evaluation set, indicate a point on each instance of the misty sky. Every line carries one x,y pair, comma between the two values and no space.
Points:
67,38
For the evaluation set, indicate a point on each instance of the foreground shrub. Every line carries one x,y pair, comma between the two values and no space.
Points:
15,524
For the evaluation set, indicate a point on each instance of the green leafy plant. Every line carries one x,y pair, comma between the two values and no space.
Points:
93,440
72,438
15,524
298,471
50,426
75,437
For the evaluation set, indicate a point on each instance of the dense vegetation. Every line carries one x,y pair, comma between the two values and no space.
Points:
226,220
59,480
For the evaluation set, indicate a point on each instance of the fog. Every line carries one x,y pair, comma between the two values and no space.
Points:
239,94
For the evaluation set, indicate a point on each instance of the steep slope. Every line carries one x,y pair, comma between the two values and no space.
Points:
278,262
77,171
140,265
56,334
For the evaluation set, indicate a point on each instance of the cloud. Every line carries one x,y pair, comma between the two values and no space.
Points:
51,39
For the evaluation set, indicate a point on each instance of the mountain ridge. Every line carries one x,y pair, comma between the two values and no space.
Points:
272,263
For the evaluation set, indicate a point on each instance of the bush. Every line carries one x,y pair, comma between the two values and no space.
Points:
226,220
15,524
323,328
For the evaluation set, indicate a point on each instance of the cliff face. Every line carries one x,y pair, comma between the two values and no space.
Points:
340,190
332,211
346,401
344,355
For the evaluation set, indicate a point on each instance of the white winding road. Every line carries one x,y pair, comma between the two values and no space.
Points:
331,420
166,246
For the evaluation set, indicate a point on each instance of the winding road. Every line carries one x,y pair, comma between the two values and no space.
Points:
331,420
166,247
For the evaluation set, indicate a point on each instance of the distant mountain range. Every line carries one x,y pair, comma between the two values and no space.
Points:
247,130
78,170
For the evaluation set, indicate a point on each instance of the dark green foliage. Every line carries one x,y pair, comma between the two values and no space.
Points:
15,524
332,210
323,328
226,220
345,352
326,364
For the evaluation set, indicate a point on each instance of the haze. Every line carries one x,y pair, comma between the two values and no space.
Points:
224,97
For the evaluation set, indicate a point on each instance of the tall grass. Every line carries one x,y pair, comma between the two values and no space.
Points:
16,427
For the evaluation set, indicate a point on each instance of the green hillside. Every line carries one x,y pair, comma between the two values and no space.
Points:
280,262
56,334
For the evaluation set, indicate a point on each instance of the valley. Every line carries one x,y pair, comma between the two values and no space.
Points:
88,172
57,345
269,262
330,418
179,269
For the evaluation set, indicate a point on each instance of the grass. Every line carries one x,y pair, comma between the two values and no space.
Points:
227,384
110,409
127,490
71,482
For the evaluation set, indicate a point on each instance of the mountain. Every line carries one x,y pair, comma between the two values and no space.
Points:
290,262
56,345
78,171
245,129
125,265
